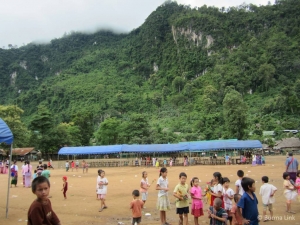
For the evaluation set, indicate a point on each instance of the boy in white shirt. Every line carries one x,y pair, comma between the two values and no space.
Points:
238,186
267,192
228,195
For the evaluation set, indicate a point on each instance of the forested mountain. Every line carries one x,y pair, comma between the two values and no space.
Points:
185,74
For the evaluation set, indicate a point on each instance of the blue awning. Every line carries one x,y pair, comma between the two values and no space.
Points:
224,145
90,150
163,148
155,148
6,135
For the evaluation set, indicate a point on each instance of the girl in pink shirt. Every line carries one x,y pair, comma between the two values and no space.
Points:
298,184
196,194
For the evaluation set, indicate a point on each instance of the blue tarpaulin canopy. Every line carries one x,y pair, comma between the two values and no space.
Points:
90,150
155,148
224,145
6,135
187,146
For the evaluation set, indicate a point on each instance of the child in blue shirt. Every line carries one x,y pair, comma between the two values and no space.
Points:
248,203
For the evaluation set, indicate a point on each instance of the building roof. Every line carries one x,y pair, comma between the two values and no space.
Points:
2,152
23,151
288,143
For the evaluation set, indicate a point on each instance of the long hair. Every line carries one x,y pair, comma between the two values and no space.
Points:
193,180
162,170
219,176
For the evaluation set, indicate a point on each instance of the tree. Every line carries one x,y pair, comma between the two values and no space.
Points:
42,126
178,83
11,114
136,128
235,115
84,120
108,132
266,73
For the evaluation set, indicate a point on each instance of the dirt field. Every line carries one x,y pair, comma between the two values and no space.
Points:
81,207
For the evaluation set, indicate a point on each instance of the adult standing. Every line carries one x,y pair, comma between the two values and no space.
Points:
23,172
83,165
28,172
77,165
153,161
14,173
291,166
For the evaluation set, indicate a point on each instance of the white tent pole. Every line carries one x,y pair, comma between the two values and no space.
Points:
8,181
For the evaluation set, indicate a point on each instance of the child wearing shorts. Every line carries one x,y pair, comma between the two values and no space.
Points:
101,190
136,206
182,203
144,186
267,192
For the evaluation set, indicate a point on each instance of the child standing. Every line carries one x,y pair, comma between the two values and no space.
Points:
217,189
136,205
46,172
228,194
157,163
165,163
102,183
196,194
238,186
72,165
263,160
182,204
217,214
236,219
289,192
254,160
171,162
298,184
248,203
65,186
67,166
267,192
144,186
40,211
77,165
163,203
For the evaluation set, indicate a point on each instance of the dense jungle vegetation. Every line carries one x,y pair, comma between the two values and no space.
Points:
184,74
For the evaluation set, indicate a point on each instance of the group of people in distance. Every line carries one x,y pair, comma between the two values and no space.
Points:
237,206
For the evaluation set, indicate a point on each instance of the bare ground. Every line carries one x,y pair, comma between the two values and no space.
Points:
81,207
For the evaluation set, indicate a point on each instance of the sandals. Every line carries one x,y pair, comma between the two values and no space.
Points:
291,212
104,207
100,210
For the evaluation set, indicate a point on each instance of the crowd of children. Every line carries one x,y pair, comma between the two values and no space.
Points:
236,206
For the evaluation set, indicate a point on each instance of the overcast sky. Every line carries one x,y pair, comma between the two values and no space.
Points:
25,21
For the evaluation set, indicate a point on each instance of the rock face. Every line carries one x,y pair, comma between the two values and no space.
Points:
155,67
23,64
191,35
44,58
13,78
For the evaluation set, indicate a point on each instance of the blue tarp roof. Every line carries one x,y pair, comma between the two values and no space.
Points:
6,135
89,150
155,148
224,145
188,146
